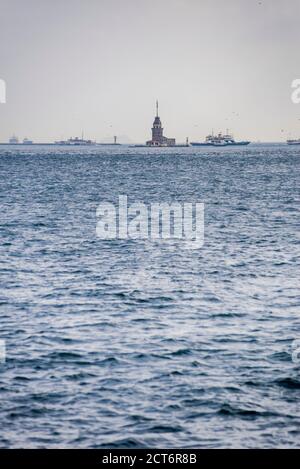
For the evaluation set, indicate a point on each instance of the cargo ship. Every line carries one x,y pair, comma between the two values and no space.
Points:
219,140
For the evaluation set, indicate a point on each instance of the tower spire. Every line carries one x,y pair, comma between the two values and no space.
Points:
156,108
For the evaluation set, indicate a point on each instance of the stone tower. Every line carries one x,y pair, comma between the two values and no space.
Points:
158,138
157,130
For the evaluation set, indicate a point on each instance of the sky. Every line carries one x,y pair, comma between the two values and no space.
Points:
98,66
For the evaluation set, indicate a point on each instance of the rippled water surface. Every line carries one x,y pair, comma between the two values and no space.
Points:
130,343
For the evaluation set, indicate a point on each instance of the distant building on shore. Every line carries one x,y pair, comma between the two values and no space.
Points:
158,139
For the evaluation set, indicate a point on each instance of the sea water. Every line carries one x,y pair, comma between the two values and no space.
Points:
139,343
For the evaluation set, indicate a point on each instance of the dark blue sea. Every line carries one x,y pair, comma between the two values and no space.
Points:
135,343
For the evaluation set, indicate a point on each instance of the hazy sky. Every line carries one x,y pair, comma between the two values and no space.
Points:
99,65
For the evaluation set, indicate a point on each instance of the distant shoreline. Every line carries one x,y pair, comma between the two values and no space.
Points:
62,144
132,145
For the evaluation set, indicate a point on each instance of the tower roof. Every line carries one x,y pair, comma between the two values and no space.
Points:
157,120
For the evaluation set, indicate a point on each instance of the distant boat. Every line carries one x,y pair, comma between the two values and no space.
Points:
293,142
219,141
26,141
14,140
76,141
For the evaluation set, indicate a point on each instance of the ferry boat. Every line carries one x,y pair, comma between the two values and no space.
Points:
76,141
219,140
293,142
26,141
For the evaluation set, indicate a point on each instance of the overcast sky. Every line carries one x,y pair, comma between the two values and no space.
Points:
99,65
